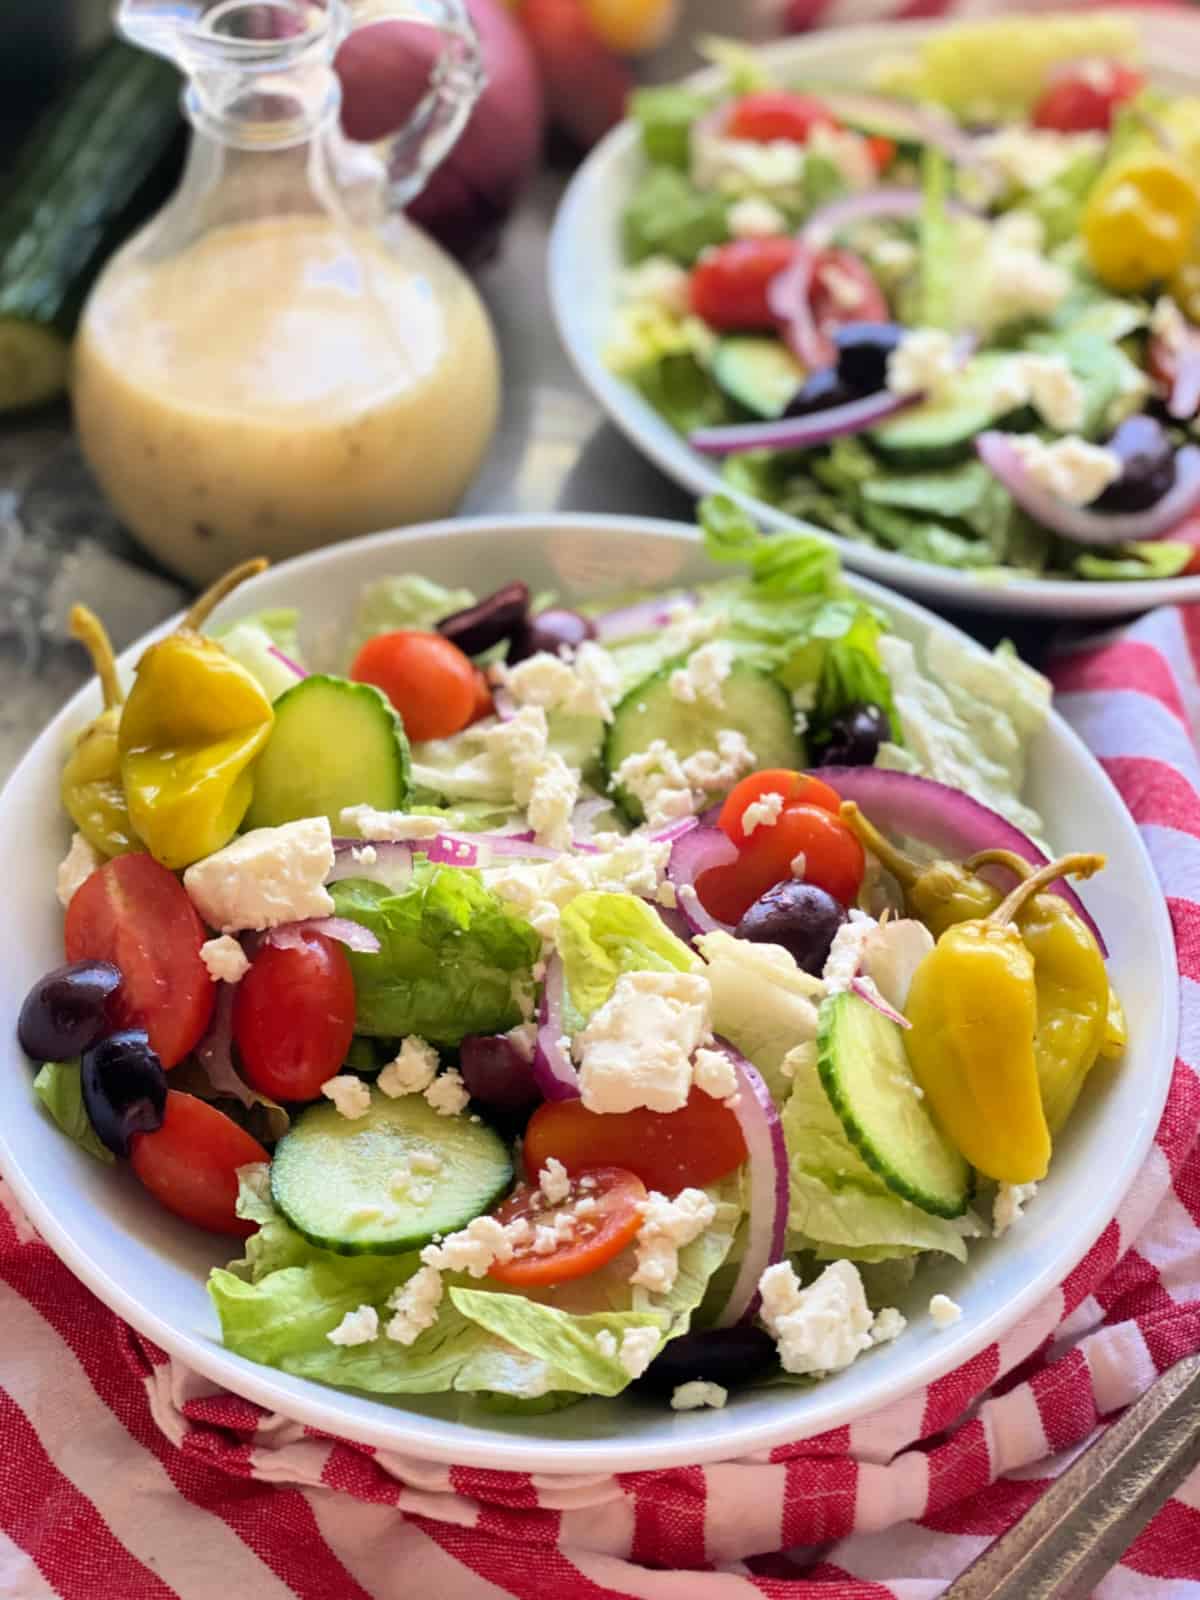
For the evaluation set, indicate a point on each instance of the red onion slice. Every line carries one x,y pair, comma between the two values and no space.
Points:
867,990
943,818
767,1167
290,935
674,830
1184,399
789,296
286,661
504,705
552,1065
692,854
215,1055
801,433
819,232
645,616
1077,522
916,124
392,864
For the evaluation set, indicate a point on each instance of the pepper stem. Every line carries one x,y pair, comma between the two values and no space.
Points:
208,602
1009,859
901,867
86,626
1078,865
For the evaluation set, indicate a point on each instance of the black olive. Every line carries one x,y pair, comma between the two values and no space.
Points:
799,916
549,631
819,391
67,1010
863,349
496,1072
728,1356
1147,466
500,616
124,1088
855,735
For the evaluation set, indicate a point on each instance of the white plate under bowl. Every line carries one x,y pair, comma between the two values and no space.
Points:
151,1269
585,265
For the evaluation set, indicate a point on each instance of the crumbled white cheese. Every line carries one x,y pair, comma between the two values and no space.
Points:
944,1311
636,1049
265,877
554,1182
656,779
412,1071
889,1324
844,289
891,954
606,1343
1021,283
75,868
365,855
584,686
597,682
658,281
519,745
1032,158
846,951
822,1328
697,1394
755,218
415,1304
639,1346
553,794
369,823
448,1094
762,813
356,1327
668,1225
475,1248
564,1226
746,166
586,1206
634,864
1168,324
1056,393
710,771
1009,1205
922,363
545,1239
848,152
1070,468
700,678
349,1094
225,959
715,1074
894,258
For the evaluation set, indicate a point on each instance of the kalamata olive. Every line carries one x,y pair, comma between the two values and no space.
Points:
819,391
863,349
855,735
498,616
728,1356
496,1072
1147,466
124,1088
550,630
800,916
67,1010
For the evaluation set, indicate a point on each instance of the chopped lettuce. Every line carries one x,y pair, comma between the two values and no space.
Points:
668,216
664,115
449,952
681,389
762,1002
1059,205
1112,384
58,1087
785,566
602,935
936,243
1154,558
404,602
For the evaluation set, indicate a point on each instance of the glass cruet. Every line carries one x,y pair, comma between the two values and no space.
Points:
280,359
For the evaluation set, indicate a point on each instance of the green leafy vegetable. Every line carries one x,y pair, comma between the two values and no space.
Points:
668,216
785,565
665,116
404,602
762,1002
1157,558
936,242
57,1086
601,936
1059,205
681,389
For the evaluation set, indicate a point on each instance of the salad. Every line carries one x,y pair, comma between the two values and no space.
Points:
956,316
556,1000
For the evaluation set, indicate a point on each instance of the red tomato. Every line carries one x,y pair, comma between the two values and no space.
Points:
667,1150
883,151
797,788
776,114
293,1017
430,681
844,290
834,861
190,1164
1083,96
596,1237
135,914
729,285
483,706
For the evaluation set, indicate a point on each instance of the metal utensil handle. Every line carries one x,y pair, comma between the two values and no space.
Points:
1092,1513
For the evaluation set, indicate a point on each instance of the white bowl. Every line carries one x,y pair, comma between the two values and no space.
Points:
151,1269
585,265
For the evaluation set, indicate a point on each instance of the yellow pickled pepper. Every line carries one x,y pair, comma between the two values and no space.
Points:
1140,222
937,893
194,721
92,792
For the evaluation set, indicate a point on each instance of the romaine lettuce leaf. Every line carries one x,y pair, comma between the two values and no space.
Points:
602,935
785,566
665,115
404,602
57,1086
449,949
762,1002
668,216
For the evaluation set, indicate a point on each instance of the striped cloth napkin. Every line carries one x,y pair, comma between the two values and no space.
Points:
124,1476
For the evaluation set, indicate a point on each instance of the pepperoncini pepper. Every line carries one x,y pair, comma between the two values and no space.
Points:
91,788
974,1010
1139,224
190,730
938,894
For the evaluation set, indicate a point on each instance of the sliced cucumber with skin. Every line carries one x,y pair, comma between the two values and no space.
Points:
336,1179
334,744
753,703
865,1072
762,375
944,429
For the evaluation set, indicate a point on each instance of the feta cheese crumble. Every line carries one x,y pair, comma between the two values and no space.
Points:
755,218
639,1346
356,1327
659,282
700,679
265,877
1071,469
1009,1205
554,1182
412,1071
369,823
763,813
448,1094
636,1050
944,1311
822,1328
697,1394
668,1225
584,686
225,959
846,952
475,1248
75,868
349,1094
713,1072
922,363
889,1324
415,1305
1031,158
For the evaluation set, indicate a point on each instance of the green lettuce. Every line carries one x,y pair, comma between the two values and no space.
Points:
1154,558
1059,205
936,240
58,1087
762,1002
668,216
449,953
785,566
404,602
602,935
665,115
251,642
680,388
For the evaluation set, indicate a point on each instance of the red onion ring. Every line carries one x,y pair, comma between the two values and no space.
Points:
290,935
801,433
912,123
868,991
819,232
553,1069
767,1168
692,854
646,616
286,661
392,864
1184,399
789,296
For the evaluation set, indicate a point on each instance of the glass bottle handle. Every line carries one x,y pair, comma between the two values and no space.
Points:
455,84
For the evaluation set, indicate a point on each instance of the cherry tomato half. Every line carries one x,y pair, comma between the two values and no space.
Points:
797,788
834,861
293,1016
883,151
430,681
483,706
729,285
776,114
190,1163
609,1225
134,913
844,290
667,1150
1084,95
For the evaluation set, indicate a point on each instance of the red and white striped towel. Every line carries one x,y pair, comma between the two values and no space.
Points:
123,1476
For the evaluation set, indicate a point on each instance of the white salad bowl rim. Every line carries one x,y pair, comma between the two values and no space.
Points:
149,1269
583,264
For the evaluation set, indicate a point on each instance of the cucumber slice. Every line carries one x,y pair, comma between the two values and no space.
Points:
864,1069
755,704
334,1178
334,744
944,429
762,375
